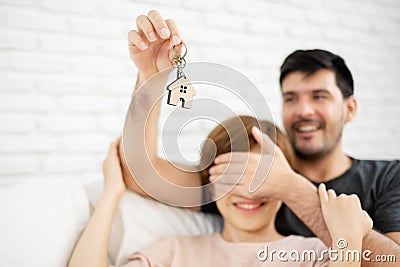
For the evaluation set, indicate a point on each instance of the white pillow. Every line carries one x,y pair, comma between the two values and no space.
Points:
142,221
146,221
40,222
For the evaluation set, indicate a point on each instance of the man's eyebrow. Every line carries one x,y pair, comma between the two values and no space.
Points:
289,93
321,91
314,91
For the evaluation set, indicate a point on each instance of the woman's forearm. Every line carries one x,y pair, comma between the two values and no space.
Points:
140,142
349,251
92,247
141,132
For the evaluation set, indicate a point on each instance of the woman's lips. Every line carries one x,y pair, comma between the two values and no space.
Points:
248,207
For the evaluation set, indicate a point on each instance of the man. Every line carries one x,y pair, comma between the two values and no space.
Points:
317,90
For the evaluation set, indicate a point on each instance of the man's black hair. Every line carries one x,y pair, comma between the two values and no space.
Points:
310,61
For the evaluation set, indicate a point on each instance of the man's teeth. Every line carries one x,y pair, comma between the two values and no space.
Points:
247,206
308,128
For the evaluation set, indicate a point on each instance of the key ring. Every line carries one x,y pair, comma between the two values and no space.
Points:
178,60
184,54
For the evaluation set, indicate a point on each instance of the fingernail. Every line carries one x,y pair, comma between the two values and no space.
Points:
176,40
256,130
212,178
164,33
144,45
152,36
211,170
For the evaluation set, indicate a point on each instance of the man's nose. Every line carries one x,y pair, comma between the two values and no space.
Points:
304,108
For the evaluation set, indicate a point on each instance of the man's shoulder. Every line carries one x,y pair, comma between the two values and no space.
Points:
380,171
380,162
367,174
371,165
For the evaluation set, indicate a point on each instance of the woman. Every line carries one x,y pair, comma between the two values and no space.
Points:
248,222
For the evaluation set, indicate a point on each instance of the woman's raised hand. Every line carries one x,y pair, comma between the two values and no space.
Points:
150,44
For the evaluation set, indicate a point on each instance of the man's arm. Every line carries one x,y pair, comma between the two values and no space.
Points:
308,209
394,236
302,198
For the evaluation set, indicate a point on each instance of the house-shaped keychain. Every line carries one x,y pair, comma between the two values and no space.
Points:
181,90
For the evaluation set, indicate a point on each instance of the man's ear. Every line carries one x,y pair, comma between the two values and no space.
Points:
351,108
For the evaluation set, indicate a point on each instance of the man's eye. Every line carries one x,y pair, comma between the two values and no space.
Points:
319,97
289,99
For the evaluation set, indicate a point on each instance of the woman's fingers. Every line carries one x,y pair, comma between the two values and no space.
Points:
114,146
331,194
144,25
152,27
159,24
176,39
354,198
323,194
135,40
111,150
368,219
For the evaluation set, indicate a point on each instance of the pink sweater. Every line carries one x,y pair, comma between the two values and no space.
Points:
213,250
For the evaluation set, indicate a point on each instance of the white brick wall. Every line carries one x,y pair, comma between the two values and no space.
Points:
66,76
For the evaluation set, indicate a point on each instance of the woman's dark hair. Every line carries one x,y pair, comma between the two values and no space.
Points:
310,61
